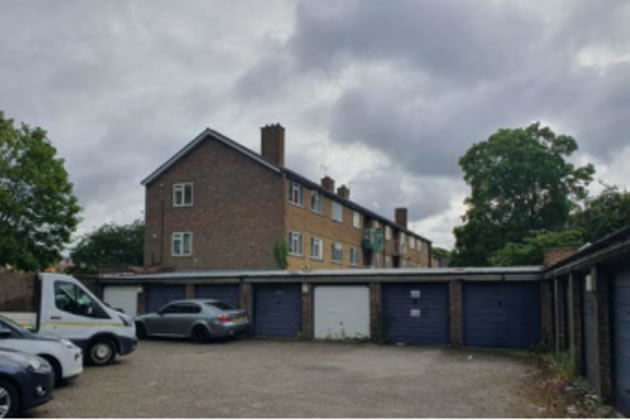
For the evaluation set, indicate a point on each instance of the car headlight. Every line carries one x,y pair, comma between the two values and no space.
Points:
69,344
34,364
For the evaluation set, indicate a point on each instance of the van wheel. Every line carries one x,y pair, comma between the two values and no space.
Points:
9,399
101,352
56,367
141,331
200,335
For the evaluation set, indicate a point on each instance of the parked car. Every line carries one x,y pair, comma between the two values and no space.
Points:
199,319
26,381
65,358
66,308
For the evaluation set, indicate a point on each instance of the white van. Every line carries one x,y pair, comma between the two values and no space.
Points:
67,309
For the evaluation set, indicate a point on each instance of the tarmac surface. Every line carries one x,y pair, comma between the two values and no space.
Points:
274,378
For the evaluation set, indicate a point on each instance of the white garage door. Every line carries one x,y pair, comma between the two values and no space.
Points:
342,312
122,297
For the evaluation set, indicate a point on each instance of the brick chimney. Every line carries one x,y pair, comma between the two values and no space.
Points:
328,183
400,216
344,192
272,143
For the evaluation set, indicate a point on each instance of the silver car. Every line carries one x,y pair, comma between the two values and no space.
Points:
199,319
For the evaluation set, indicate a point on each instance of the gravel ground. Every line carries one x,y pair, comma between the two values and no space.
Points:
268,378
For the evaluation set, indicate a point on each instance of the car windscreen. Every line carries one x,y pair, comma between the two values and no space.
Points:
220,305
9,323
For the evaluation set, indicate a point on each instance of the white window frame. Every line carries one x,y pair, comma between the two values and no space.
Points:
354,252
181,236
336,205
320,255
388,233
293,187
356,219
320,203
299,239
420,245
336,246
181,187
412,242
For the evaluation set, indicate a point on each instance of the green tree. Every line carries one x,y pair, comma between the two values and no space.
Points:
38,209
521,182
442,253
531,251
110,244
604,214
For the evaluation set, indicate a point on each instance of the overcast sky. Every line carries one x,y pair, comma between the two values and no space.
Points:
383,95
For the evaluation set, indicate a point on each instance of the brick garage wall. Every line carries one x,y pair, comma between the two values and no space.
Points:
17,292
376,312
547,313
236,218
456,314
307,310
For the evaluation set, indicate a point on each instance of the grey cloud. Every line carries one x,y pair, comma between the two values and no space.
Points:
122,85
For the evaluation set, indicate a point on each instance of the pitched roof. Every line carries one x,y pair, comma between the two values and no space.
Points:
212,134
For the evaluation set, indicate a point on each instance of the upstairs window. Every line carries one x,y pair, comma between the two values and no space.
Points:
412,243
420,244
388,261
296,194
337,253
317,248
388,233
356,220
337,212
316,202
181,245
354,256
296,244
183,194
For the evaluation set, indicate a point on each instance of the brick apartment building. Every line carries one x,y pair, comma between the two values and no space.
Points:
218,205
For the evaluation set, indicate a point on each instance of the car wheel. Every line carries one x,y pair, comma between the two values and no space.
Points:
200,334
56,367
9,399
101,352
141,331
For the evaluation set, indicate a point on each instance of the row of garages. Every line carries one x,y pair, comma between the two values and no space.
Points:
590,310
488,313
579,305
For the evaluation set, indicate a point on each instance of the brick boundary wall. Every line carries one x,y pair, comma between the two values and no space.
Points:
17,292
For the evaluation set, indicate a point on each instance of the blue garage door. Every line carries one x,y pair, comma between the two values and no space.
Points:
227,293
501,315
416,313
278,310
158,296
622,341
